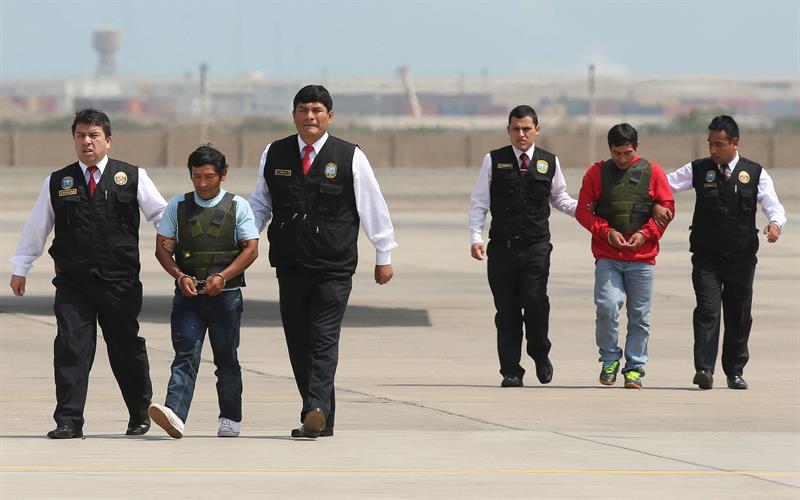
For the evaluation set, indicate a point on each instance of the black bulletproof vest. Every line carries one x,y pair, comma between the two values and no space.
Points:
724,222
96,236
207,239
519,202
314,217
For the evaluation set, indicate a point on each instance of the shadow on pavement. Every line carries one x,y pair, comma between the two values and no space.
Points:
156,309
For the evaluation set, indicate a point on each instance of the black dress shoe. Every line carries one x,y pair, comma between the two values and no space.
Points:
137,429
544,371
512,381
313,423
703,379
737,382
301,432
65,432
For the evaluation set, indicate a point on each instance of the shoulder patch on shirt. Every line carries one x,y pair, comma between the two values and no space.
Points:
505,165
542,166
283,172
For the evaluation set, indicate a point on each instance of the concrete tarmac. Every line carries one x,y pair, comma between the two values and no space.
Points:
420,411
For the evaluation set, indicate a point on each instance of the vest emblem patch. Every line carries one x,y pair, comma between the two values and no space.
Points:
744,177
711,175
67,182
120,178
282,172
542,166
330,170
67,192
505,165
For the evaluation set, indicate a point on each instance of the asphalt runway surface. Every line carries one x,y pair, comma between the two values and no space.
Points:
420,411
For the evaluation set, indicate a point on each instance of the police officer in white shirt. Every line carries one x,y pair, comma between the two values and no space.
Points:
94,205
724,242
316,188
518,183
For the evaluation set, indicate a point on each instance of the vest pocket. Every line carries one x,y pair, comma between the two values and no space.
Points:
746,200
330,240
328,201
125,204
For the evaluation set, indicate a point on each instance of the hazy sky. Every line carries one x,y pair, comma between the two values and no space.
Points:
349,38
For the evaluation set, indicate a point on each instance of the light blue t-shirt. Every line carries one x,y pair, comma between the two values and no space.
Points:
245,221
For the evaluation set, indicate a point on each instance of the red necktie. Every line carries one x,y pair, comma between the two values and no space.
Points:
92,183
307,159
523,162
725,174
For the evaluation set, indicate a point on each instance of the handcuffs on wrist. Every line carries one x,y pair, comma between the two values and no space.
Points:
196,282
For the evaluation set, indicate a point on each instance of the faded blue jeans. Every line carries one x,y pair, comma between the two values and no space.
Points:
191,317
614,282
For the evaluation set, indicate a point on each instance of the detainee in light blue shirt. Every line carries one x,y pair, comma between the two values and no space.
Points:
208,266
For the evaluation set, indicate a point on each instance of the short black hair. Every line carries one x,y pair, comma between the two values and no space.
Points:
622,134
313,93
93,117
522,111
207,155
726,124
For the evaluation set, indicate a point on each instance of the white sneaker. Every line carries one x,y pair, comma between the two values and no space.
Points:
228,428
167,420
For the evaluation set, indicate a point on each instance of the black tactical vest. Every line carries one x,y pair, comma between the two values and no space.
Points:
519,203
97,236
207,239
625,200
724,222
314,217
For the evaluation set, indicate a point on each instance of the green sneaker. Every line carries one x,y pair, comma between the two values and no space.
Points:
608,375
633,380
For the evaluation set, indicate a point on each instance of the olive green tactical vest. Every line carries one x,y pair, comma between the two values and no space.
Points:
625,202
207,239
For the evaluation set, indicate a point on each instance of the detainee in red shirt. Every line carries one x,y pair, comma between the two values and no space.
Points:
615,204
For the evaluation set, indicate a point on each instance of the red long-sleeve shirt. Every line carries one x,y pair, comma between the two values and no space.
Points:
592,188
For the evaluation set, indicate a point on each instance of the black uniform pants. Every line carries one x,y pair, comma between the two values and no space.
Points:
731,283
518,274
312,307
78,308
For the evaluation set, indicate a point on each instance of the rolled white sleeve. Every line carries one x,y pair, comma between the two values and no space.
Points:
260,199
34,234
479,201
150,200
768,198
559,198
372,209
681,179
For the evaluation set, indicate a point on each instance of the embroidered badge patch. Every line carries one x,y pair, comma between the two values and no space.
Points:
542,166
67,192
330,170
282,172
711,175
120,178
744,177
505,165
67,182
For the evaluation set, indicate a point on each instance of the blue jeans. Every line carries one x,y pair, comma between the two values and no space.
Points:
191,317
614,281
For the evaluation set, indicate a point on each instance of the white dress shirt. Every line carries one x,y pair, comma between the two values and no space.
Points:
681,180
371,206
42,219
481,198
